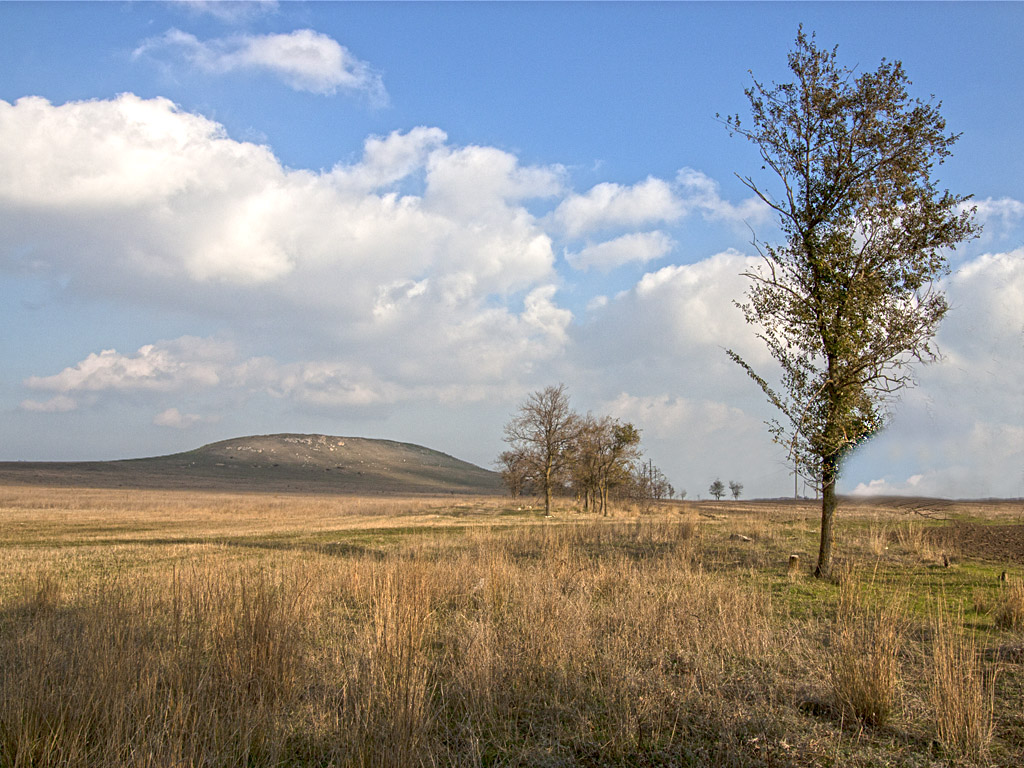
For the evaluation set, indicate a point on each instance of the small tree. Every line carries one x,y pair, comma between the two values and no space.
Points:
717,490
514,471
846,304
648,484
601,457
735,489
542,434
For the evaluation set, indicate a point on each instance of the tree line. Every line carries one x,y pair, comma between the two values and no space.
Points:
554,451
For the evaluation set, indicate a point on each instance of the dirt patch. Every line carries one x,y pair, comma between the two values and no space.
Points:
977,541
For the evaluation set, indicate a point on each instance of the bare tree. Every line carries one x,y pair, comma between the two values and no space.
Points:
648,484
735,489
846,304
542,433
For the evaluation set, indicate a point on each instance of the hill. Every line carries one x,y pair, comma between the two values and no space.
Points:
287,462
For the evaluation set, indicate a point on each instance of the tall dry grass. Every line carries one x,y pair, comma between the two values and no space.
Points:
535,641
653,641
864,659
1009,611
961,693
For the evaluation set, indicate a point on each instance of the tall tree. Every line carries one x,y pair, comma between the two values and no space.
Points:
847,303
542,433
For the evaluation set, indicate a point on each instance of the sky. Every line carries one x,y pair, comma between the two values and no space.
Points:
397,220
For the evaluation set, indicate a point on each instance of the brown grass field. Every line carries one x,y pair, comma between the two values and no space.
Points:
197,628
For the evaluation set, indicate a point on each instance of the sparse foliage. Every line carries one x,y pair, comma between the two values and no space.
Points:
846,303
717,489
514,471
649,484
735,489
602,456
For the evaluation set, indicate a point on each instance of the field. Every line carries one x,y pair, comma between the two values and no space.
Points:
177,628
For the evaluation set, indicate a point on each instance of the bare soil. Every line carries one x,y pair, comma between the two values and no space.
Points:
978,541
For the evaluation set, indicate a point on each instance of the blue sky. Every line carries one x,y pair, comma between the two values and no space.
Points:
396,220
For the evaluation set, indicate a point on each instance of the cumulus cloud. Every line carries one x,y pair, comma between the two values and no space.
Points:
612,205
608,206
418,273
136,200
997,216
696,440
305,60
962,426
701,192
638,247
185,362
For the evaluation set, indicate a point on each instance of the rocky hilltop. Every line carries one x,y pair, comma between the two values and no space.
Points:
286,462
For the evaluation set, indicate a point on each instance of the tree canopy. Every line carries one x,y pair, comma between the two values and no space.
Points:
847,302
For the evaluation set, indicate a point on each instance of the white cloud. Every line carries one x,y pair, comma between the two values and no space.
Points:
389,159
607,206
702,193
996,216
185,362
304,59
418,274
635,247
695,440
962,427
137,201
613,205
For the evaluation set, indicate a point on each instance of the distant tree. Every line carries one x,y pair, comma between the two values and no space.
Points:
514,470
601,457
735,489
717,490
846,304
648,484
542,434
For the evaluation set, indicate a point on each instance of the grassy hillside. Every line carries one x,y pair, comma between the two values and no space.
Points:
287,462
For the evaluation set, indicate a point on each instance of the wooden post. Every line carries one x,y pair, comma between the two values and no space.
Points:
794,565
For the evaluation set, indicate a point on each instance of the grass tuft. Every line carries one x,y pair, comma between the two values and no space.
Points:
962,689
1009,612
867,638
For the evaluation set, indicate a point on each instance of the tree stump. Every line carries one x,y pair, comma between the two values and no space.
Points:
794,565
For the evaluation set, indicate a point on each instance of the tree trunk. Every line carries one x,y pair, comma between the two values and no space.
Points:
829,474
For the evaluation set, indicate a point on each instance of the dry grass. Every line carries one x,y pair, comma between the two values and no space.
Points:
962,689
867,639
246,630
1009,612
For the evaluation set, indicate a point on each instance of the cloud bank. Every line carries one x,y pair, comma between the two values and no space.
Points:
424,273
